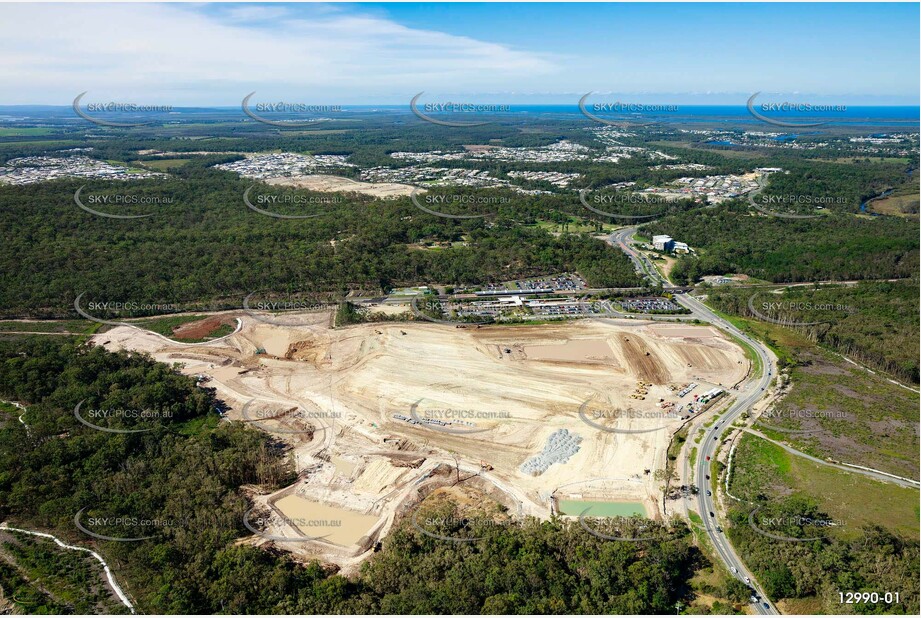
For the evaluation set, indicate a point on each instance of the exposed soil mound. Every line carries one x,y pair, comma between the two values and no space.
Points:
202,329
643,362
309,351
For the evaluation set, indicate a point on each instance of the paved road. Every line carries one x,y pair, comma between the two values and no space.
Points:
622,238
747,396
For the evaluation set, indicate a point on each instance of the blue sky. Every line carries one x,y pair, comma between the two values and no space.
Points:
201,54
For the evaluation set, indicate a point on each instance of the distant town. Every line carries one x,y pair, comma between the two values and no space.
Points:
31,170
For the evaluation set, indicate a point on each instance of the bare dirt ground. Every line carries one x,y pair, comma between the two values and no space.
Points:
203,328
333,184
501,391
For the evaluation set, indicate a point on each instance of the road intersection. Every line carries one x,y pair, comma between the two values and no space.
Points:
748,394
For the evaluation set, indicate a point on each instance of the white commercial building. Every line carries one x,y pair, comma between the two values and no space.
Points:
662,242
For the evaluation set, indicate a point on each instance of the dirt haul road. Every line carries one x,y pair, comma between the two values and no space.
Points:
497,394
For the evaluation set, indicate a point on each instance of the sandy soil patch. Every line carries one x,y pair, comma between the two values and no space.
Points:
338,525
390,309
666,264
672,330
273,339
337,184
343,466
575,350
378,477
501,391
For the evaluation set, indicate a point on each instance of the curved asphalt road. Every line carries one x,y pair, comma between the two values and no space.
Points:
745,399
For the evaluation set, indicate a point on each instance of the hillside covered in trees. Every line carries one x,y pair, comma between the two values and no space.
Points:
206,245
875,323
189,470
730,240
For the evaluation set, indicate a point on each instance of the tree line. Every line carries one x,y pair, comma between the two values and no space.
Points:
189,471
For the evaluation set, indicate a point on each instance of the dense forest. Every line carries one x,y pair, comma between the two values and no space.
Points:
875,323
38,577
845,186
730,240
208,246
875,560
188,471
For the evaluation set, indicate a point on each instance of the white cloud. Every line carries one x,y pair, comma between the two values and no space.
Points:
182,55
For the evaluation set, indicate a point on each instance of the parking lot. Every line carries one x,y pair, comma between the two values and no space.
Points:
650,305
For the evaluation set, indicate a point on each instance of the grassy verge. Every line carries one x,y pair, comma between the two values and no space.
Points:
763,468
199,426
870,533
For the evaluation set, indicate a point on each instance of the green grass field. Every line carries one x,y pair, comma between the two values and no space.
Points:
863,418
163,165
866,419
729,153
904,205
25,131
49,144
49,326
574,227
760,467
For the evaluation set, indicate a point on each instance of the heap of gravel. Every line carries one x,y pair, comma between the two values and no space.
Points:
561,445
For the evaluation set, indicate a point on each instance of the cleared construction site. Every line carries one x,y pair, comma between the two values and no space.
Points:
378,416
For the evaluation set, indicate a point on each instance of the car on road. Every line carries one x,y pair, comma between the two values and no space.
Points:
709,493
708,459
711,514
748,580
718,529
735,570
767,605
708,476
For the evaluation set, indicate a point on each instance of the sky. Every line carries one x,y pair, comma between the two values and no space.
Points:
384,53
